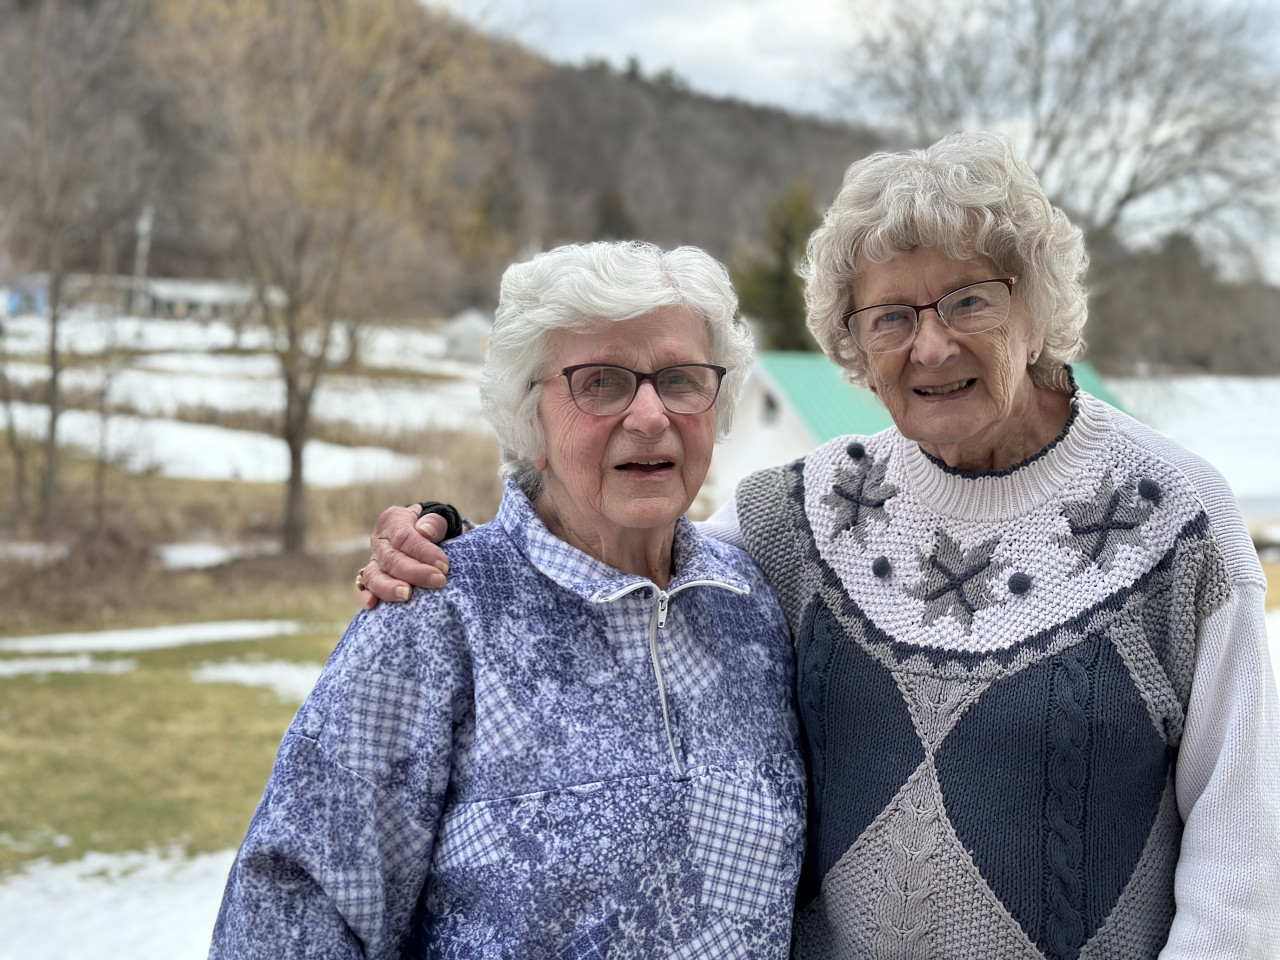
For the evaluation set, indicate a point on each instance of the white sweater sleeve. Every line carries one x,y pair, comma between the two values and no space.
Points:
723,525
1227,884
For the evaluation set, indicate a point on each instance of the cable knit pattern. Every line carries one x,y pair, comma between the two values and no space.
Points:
1068,730
1021,709
491,770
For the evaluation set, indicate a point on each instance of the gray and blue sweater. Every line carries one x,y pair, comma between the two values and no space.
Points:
548,758
1040,714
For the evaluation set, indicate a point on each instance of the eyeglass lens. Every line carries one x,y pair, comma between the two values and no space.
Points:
603,390
976,308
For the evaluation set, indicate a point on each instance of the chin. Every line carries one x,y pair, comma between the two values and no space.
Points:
650,513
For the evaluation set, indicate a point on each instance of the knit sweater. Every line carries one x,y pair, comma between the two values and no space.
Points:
548,758
1039,709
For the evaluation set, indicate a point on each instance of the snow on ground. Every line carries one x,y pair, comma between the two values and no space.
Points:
150,638
177,369
161,384
289,680
187,555
126,906
1233,422
200,555
88,332
32,553
81,663
198,451
394,407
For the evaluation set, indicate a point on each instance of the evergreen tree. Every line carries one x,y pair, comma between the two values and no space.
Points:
769,290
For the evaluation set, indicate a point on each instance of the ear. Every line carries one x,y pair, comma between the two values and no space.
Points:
540,463
1036,350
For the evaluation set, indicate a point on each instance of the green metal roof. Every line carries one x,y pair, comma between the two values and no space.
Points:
830,406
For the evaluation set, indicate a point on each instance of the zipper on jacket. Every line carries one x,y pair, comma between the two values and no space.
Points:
657,621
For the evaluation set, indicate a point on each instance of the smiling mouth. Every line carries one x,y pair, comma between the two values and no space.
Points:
645,466
945,389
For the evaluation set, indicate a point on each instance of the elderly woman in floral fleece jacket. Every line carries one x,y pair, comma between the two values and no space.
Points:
585,745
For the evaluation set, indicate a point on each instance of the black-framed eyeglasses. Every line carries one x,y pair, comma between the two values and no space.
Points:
973,308
603,389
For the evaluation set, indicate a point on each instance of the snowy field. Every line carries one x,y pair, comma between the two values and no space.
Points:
158,904
174,366
1230,421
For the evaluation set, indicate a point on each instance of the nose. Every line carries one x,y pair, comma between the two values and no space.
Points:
646,415
934,343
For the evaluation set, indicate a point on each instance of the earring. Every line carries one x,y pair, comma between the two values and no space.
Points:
1035,354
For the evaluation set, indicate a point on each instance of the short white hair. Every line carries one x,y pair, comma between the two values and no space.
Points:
969,194
580,287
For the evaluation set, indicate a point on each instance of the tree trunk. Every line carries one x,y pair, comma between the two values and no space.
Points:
295,506
49,489
297,423
18,454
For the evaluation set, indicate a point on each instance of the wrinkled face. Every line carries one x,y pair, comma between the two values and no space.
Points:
962,398
639,469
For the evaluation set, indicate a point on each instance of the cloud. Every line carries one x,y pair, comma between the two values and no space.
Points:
763,51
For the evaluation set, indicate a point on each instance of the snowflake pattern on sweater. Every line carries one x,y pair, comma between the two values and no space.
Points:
549,758
1007,683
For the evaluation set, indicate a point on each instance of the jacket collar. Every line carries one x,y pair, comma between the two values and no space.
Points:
696,561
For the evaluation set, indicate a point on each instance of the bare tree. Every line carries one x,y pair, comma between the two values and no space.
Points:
66,142
20,505
1140,116
334,124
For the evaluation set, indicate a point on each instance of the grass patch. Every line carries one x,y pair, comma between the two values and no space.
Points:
92,762
150,758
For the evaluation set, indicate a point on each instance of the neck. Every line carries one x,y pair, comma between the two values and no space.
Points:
643,552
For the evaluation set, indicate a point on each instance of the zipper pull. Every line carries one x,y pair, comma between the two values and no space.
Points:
662,609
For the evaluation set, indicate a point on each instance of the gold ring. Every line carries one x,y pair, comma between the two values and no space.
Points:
360,579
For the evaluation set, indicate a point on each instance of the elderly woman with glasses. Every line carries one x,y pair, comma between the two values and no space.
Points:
1031,653
586,745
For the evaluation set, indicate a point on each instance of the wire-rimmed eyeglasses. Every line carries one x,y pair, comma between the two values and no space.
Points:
973,308
603,389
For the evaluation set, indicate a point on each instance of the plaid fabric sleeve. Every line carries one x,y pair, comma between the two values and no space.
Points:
336,855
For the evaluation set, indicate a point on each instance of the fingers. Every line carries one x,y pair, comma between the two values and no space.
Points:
396,535
368,599
433,527
403,557
382,586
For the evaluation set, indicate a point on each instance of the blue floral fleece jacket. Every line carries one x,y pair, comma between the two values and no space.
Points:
548,758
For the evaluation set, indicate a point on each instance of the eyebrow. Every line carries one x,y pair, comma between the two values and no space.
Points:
900,298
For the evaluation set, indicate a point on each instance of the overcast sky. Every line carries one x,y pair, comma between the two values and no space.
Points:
764,51
776,52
